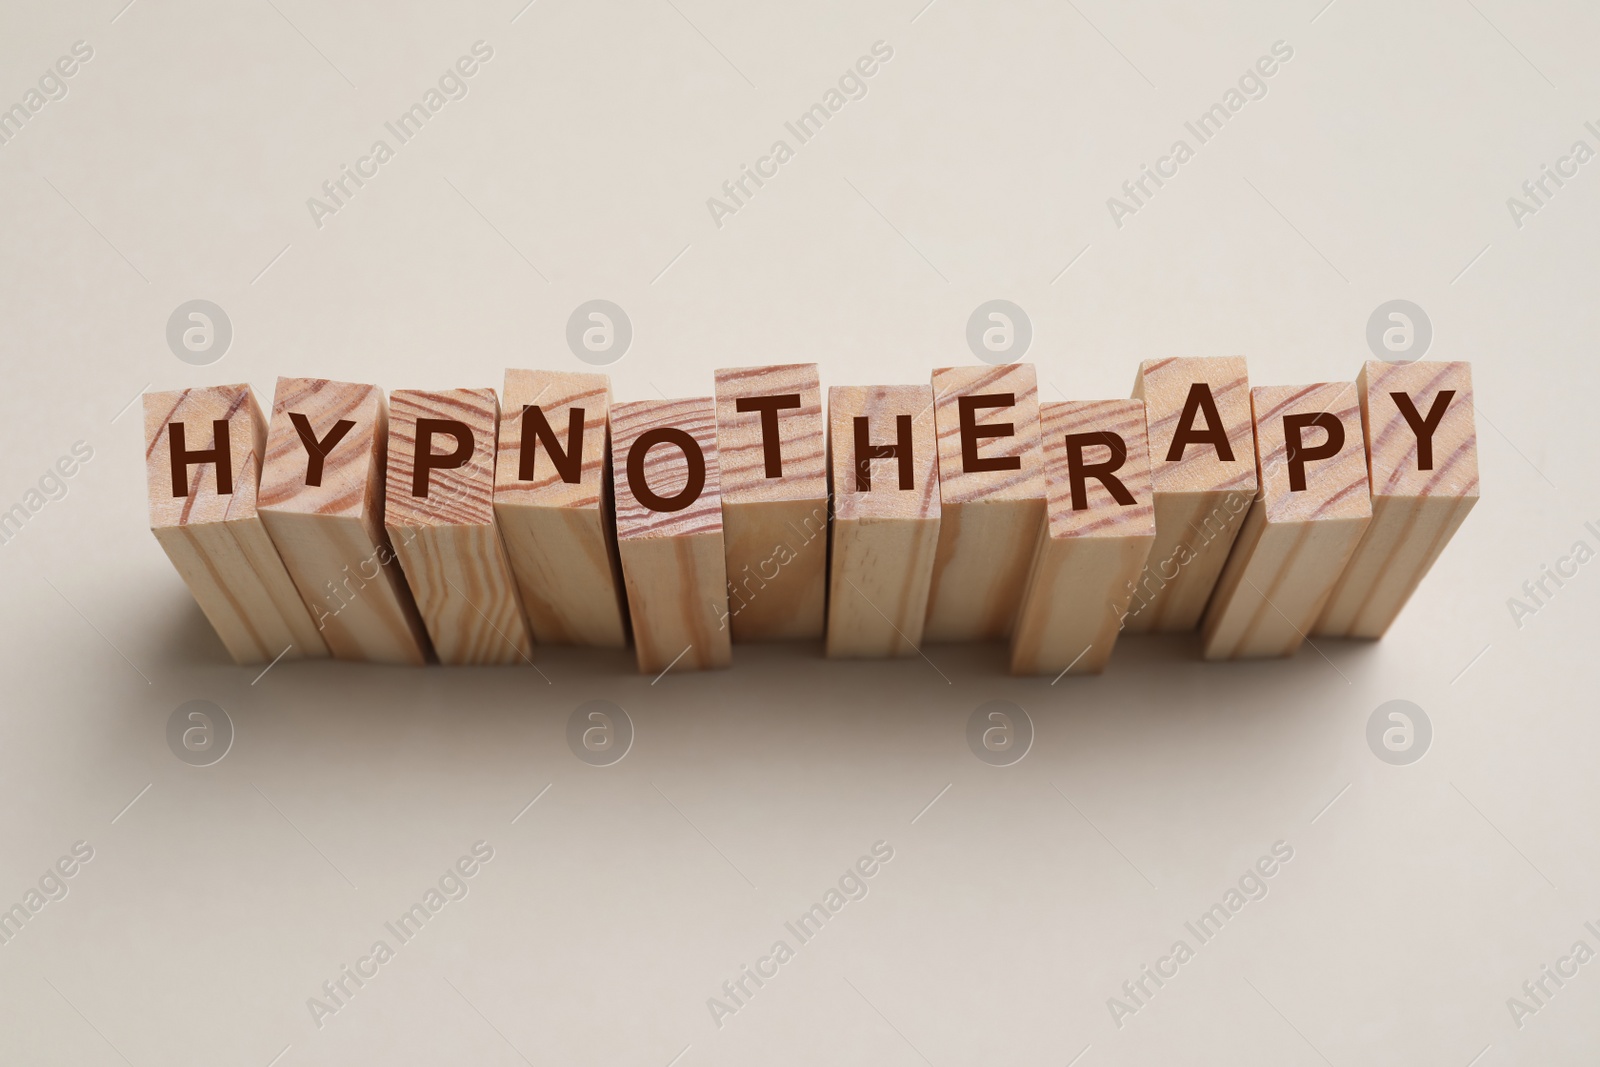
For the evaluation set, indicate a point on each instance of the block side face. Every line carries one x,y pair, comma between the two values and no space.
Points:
211,566
1283,588
878,586
678,601
280,599
800,434
777,568
1104,515
1335,487
1165,385
351,585
556,394
1194,533
957,485
1035,609
197,410
452,496
565,574
665,468
980,568
881,406
1071,616
351,482
1393,445
1220,625
465,595
1404,539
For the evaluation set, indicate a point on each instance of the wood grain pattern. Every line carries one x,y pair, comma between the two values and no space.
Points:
331,534
1092,548
445,536
884,536
673,558
215,539
775,521
990,520
558,532
1201,495
1296,539
1420,493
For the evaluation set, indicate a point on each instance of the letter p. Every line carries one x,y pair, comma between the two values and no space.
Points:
1297,455
426,459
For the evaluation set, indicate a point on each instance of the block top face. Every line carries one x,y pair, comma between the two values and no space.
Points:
198,410
1327,479
775,448
455,486
883,406
1206,417
1438,456
668,449
988,424
1115,490
347,422
575,478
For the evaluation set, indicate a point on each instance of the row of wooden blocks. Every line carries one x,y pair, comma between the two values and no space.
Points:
382,529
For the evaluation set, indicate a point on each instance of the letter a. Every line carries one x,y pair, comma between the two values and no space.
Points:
718,209
718,1010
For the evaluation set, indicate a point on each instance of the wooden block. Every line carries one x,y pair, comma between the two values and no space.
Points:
202,451
1422,451
669,532
1099,533
991,499
552,500
1315,504
322,490
439,512
773,445
883,466
1202,464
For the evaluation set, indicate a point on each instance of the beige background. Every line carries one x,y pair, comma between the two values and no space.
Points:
977,166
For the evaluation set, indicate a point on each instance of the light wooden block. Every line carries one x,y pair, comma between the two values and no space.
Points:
991,499
1203,468
203,514
1094,546
773,445
669,532
1315,504
885,518
439,513
1424,465
557,521
322,502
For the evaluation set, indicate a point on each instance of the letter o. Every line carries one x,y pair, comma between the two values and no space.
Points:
694,458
